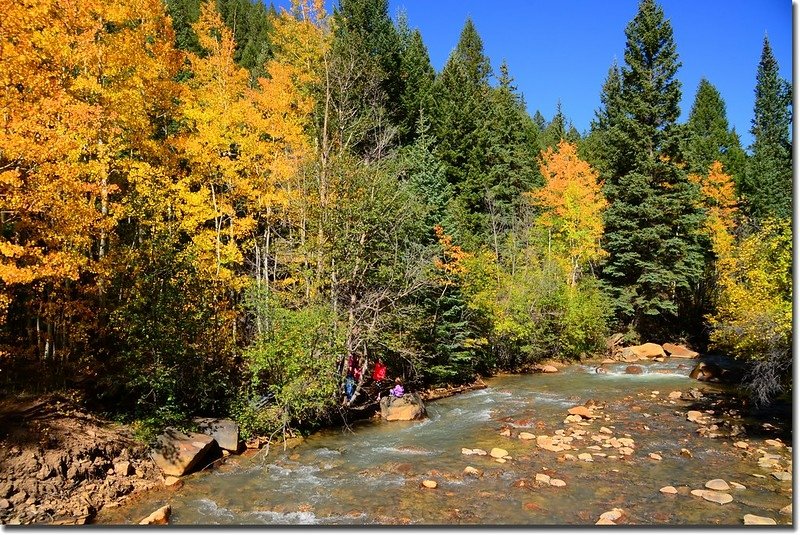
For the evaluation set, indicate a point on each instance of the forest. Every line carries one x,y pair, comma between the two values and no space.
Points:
208,206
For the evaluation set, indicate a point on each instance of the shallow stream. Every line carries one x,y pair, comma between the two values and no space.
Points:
371,473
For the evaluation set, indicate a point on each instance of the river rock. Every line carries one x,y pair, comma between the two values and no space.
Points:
634,370
225,432
686,453
669,489
557,482
157,517
786,510
545,368
501,460
753,520
430,484
586,457
613,515
605,522
644,351
773,443
176,453
169,481
679,351
498,453
741,444
572,418
782,476
718,484
527,436
543,478
472,471
655,456
736,485
625,451
581,411
695,416
505,433
713,496
409,407
676,394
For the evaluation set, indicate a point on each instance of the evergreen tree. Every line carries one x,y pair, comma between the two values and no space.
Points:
767,186
417,77
652,221
599,147
461,92
250,23
364,76
560,128
184,13
708,137
511,156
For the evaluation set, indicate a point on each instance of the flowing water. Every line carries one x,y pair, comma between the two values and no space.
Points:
371,473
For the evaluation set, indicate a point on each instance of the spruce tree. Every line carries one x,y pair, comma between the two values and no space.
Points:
461,94
653,219
767,186
599,147
708,137
511,156
416,77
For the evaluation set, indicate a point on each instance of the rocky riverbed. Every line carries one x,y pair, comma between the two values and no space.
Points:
571,447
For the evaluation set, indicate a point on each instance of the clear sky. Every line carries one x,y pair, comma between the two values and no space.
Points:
562,49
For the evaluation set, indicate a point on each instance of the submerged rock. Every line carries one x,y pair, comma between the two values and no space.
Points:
753,520
498,453
669,489
718,484
430,484
713,496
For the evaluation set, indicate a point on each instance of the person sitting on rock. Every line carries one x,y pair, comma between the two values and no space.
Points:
398,390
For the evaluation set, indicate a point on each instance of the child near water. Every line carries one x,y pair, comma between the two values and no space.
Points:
398,389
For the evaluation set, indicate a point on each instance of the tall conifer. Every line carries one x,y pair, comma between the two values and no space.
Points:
652,220
767,186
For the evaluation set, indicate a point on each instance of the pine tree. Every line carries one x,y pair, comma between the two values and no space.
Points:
652,221
709,138
461,93
599,147
767,186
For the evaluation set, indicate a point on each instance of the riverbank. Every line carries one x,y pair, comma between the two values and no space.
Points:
60,464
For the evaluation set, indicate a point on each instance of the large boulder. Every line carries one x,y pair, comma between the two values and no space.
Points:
177,453
408,407
644,351
714,373
679,351
225,432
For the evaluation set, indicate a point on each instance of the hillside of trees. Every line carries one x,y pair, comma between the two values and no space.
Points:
210,203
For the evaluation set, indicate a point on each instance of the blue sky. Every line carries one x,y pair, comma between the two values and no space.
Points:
562,50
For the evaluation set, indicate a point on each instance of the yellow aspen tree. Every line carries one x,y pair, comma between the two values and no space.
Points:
572,202
83,86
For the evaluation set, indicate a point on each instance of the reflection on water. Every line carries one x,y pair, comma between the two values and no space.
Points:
372,472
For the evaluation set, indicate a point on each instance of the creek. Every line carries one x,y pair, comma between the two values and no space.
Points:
371,472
